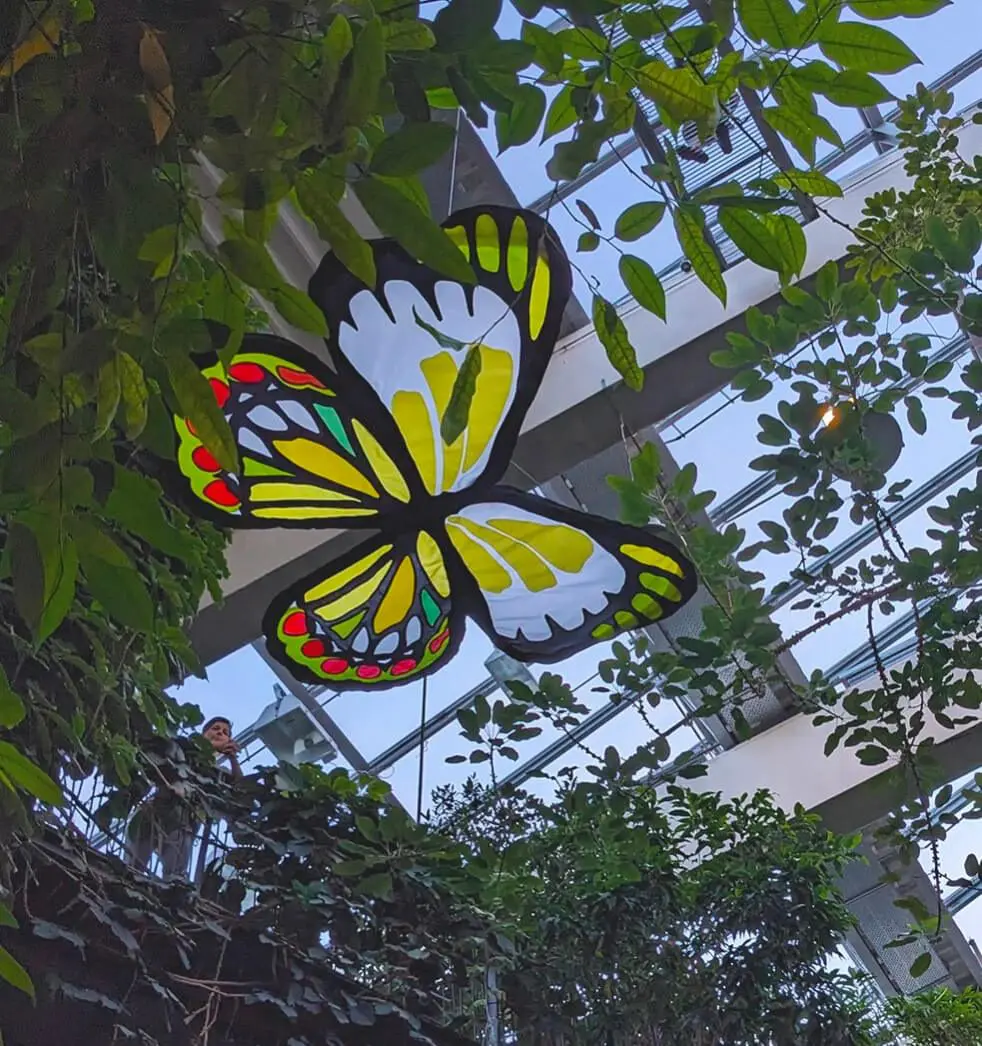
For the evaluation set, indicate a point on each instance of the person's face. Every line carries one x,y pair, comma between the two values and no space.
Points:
218,734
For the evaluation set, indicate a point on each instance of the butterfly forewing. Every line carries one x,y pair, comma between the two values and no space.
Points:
307,455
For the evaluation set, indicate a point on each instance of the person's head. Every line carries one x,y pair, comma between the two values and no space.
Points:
218,730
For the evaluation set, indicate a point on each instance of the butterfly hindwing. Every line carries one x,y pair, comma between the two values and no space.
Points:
553,581
308,456
408,338
377,617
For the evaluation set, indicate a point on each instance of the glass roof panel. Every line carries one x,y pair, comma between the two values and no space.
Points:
835,640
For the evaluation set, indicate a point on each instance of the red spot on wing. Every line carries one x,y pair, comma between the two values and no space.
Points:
218,493
220,390
247,372
299,377
368,671
295,624
313,648
400,668
438,642
205,460
334,666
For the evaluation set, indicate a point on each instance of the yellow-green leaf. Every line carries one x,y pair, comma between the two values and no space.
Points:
407,34
811,183
868,48
316,201
250,261
691,231
14,974
296,307
642,282
133,395
638,220
399,217
753,238
454,419
773,21
790,238
106,398
197,403
12,709
678,92
875,9
614,338
28,775
112,577
412,148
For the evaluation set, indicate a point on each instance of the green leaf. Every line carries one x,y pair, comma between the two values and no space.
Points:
7,917
753,238
920,965
638,220
378,885
875,9
812,183
463,25
107,398
250,261
614,338
790,124
14,974
690,229
773,21
61,575
197,403
12,709
296,307
397,216
407,34
454,419
853,88
868,48
137,503
679,93
132,394
520,124
548,49
112,577
316,199
367,71
790,237
561,113
413,148
643,284
28,776
28,573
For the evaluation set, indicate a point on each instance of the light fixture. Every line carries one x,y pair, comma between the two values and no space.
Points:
289,733
859,447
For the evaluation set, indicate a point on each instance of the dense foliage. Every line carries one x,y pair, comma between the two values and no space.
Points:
146,150
641,919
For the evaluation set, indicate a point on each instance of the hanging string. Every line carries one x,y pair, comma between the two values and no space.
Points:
453,166
422,755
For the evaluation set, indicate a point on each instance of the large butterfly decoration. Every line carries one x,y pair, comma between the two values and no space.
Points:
362,447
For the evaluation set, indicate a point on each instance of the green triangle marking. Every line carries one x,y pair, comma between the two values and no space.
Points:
346,627
332,420
252,467
430,609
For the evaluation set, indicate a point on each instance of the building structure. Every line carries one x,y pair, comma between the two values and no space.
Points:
580,430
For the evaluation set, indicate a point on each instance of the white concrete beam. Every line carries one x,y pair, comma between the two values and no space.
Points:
789,761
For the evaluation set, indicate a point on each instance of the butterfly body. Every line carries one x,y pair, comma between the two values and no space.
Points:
362,447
